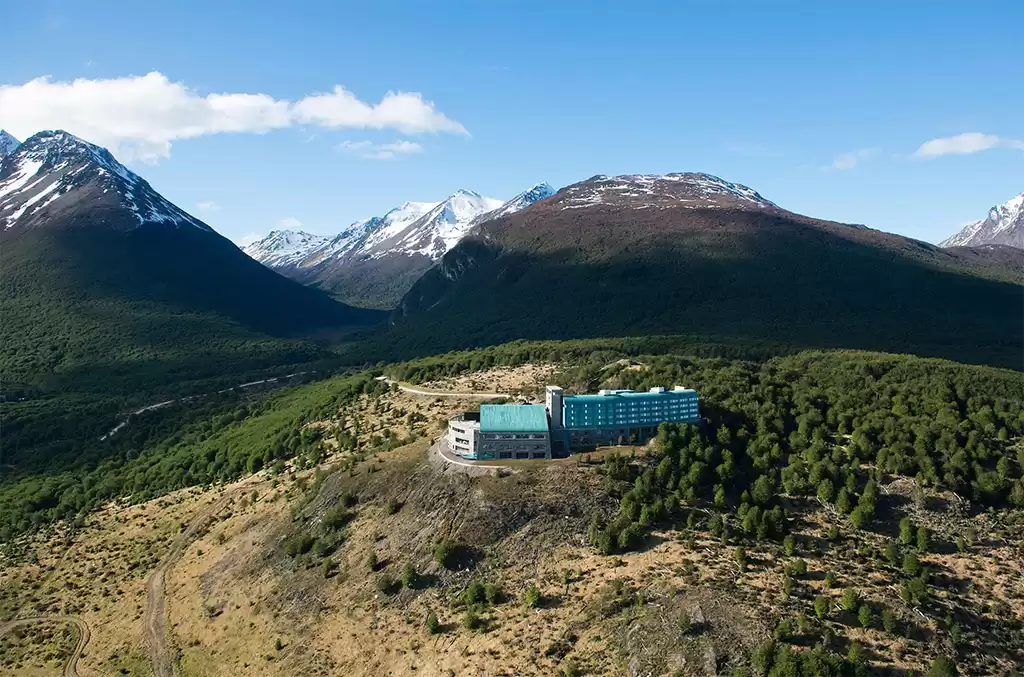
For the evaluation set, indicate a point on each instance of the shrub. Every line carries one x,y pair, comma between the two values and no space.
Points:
892,552
685,624
474,594
532,597
907,532
409,576
924,539
865,615
472,621
298,544
911,565
943,667
494,594
386,584
850,599
446,553
889,621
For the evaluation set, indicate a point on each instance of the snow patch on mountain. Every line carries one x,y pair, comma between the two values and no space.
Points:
690,189
533,194
63,169
1004,224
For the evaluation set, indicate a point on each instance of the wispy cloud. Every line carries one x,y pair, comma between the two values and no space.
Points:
289,222
139,117
850,160
248,239
964,144
207,206
380,151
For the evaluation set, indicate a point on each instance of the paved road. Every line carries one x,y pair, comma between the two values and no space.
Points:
71,666
155,617
441,393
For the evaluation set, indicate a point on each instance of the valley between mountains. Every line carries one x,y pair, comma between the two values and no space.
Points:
850,500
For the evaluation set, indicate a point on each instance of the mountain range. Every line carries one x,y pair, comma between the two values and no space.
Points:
107,283
1003,225
695,254
374,261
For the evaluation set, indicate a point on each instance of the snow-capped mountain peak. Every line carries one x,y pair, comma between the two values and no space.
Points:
439,229
686,189
55,171
7,144
1004,224
282,247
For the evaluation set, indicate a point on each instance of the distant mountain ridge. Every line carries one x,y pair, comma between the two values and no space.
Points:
1003,225
374,261
691,253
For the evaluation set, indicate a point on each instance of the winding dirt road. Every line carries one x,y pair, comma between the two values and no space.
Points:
155,617
413,390
71,666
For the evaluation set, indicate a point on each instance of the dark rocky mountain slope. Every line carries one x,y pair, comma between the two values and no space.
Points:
693,254
103,278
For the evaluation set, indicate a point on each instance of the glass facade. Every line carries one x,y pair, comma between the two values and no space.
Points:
625,408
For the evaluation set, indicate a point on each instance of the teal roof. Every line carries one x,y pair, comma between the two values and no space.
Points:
513,418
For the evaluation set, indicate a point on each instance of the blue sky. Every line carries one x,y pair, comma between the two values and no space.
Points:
819,108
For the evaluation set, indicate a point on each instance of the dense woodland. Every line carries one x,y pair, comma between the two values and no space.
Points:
818,424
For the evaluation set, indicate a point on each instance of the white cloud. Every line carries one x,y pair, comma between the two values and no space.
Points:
965,144
208,206
407,112
139,117
380,151
248,239
289,222
850,160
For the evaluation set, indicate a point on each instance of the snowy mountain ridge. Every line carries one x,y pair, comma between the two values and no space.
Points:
52,171
642,191
1004,224
427,229
282,247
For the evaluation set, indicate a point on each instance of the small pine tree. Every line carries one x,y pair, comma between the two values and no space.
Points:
821,606
907,532
789,544
865,615
943,667
433,624
741,558
409,575
911,565
924,539
889,621
850,599
532,597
